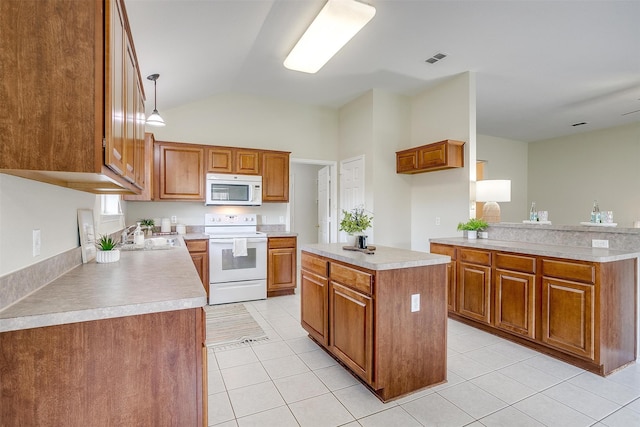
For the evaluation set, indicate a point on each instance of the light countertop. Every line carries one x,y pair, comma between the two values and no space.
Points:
558,251
384,258
141,282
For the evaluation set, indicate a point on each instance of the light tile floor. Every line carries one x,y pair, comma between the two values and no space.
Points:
289,381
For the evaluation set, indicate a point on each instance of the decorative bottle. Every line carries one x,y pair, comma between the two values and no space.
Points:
533,213
595,212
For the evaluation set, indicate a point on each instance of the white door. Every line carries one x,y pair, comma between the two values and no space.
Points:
351,187
324,182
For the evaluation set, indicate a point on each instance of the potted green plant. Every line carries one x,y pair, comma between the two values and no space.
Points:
472,227
148,224
355,222
107,251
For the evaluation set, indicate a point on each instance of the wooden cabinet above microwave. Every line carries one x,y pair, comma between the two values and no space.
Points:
441,155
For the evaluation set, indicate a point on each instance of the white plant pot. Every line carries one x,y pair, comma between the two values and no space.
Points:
472,234
104,257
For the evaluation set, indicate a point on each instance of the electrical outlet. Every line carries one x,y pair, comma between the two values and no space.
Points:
596,243
36,242
437,220
415,303
281,220
264,219
483,234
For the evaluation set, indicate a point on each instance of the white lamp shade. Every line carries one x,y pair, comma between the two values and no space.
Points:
335,25
493,190
155,119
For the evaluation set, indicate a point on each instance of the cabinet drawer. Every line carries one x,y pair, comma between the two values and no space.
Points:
439,249
355,279
282,242
569,270
314,264
474,257
524,264
197,245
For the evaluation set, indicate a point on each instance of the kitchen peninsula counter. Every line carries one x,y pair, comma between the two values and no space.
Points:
382,315
108,344
579,253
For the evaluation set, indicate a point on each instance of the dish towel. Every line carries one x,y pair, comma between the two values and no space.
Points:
239,247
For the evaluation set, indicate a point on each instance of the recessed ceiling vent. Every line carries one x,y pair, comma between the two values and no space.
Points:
435,58
579,124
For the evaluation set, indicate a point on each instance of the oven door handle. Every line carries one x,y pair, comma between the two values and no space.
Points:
230,240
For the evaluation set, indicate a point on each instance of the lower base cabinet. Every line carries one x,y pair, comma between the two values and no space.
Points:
281,265
199,251
578,311
363,318
144,370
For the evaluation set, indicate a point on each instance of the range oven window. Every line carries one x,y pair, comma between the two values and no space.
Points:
230,192
229,262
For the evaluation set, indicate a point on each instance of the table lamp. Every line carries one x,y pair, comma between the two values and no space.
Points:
492,191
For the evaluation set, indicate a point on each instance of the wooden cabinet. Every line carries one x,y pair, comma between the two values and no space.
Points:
275,176
179,171
66,90
239,161
199,251
452,293
281,265
474,284
365,320
441,155
351,319
568,298
145,169
515,294
582,312
314,305
143,370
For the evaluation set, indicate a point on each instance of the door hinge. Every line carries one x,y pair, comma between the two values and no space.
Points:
104,142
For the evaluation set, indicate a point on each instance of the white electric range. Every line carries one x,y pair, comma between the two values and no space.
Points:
237,258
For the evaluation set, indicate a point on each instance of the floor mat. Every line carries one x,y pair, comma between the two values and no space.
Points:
231,324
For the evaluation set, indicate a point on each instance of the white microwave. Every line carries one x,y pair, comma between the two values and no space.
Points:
233,190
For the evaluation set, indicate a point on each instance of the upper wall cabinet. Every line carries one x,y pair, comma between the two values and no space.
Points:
445,154
233,160
70,81
179,172
275,176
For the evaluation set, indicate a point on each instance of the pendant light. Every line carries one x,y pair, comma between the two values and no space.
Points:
155,119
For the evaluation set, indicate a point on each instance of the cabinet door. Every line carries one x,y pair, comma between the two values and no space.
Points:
474,287
351,329
201,262
432,156
220,160
568,316
281,269
130,108
247,162
407,161
114,154
450,251
275,177
314,305
515,302
180,172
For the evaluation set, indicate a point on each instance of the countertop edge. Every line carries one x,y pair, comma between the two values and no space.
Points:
556,251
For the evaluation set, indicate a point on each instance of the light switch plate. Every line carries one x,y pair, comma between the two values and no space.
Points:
36,243
415,303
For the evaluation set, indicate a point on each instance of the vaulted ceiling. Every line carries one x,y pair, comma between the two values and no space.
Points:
540,66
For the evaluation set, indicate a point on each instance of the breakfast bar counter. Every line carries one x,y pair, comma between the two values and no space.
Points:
382,315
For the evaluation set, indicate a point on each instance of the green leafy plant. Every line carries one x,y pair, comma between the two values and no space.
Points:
147,222
355,221
473,224
106,243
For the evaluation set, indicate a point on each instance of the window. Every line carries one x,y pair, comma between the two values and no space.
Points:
110,205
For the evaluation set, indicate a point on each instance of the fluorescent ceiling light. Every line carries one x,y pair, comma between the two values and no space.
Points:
335,25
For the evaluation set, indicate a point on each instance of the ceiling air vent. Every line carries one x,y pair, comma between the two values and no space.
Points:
435,58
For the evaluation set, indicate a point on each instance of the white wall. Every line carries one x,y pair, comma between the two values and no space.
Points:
507,159
26,205
446,111
566,174
304,198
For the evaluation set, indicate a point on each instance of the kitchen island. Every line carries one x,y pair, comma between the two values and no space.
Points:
382,315
108,344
